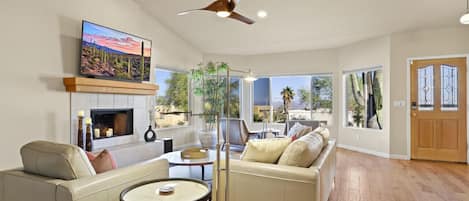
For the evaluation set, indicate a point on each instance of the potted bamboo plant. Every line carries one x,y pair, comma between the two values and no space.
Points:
209,83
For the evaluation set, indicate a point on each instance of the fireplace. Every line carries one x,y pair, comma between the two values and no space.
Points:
112,122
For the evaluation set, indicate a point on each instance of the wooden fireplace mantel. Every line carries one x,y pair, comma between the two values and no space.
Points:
91,85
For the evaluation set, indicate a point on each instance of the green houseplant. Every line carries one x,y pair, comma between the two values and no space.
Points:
209,83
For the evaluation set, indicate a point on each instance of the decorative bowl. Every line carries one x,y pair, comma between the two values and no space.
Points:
194,153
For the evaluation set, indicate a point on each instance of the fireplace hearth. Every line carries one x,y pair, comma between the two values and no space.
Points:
112,123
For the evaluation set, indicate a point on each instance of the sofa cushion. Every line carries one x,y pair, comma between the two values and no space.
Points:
60,161
265,150
303,151
102,162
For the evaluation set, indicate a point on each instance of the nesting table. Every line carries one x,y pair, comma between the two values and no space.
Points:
184,189
175,159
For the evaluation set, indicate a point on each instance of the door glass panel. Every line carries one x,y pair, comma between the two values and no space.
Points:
449,88
426,88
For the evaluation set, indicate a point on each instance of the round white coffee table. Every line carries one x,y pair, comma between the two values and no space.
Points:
175,159
184,189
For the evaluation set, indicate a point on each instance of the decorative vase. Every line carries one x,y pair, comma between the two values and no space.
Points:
207,138
150,135
89,141
80,133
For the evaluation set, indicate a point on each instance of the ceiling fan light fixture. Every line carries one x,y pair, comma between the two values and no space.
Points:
465,18
223,14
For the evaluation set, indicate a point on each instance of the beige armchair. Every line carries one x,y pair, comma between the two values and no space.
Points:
239,132
60,172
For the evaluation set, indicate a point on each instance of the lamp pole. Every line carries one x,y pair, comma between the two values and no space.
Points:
227,141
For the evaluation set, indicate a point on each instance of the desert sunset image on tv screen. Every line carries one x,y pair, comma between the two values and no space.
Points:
107,53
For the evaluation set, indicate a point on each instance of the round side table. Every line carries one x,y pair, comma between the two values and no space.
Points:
184,189
175,159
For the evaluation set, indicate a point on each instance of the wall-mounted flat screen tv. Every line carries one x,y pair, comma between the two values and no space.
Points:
110,54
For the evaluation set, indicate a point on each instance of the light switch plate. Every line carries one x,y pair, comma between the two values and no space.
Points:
398,103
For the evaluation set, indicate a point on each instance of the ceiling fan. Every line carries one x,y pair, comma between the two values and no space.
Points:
223,8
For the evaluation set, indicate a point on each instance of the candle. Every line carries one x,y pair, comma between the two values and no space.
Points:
81,113
109,132
88,121
97,133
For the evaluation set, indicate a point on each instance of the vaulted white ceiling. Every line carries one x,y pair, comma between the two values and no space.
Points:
300,24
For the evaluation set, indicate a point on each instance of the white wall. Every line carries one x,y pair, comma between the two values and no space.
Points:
414,44
302,62
41,45
362,55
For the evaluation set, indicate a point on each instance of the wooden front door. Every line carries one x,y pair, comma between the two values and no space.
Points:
438,109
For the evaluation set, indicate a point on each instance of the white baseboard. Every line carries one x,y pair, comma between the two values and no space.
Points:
400,157
365,151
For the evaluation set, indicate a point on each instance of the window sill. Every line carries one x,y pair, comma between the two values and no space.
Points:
173,128
364,129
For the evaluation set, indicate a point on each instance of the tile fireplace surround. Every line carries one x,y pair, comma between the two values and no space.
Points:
86,101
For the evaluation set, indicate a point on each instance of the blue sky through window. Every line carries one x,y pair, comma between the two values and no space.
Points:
161,77
294,82
261,89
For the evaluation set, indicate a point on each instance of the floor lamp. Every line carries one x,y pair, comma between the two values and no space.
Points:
249,78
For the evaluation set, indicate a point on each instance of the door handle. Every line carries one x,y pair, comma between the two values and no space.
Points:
414,114
413,105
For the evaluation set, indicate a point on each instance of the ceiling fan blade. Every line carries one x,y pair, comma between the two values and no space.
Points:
237,16
189,11
219,5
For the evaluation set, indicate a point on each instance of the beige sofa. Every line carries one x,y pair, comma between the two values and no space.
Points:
82,184
250,181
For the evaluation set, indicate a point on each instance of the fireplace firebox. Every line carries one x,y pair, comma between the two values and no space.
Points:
112,122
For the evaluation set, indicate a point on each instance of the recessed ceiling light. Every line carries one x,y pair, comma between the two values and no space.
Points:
261,14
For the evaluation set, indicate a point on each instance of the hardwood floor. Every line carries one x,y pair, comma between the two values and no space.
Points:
362,177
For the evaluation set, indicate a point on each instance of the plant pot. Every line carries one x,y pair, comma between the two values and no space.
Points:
208,139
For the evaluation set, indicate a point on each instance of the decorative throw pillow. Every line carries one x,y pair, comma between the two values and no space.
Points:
296,129
90,156
303,151
303,132
102,162
265,150
324,132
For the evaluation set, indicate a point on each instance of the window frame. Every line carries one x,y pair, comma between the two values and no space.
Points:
189,96
310,75
345,73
